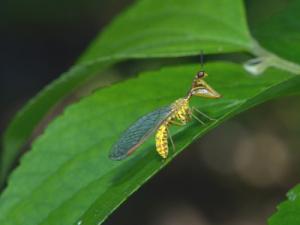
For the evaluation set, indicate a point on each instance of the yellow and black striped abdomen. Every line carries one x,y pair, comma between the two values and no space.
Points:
161,140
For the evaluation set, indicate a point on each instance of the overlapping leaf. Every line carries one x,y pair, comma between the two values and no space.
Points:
150,28
67,178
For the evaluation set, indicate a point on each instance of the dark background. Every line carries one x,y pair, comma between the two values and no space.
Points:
235,175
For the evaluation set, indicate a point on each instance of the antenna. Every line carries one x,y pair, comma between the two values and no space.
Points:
201,59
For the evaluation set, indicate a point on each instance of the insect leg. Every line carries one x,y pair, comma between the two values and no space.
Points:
196,118
175,122
202,113
171,140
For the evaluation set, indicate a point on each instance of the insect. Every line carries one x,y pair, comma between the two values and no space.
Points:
178,113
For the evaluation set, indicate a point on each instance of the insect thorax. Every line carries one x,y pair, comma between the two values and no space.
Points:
181,110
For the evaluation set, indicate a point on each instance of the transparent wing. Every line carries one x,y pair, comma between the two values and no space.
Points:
137,133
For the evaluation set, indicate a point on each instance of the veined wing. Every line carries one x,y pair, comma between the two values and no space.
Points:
137,133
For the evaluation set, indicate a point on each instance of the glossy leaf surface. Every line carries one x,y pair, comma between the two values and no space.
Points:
68,178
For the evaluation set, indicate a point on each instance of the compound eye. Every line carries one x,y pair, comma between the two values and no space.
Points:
200,74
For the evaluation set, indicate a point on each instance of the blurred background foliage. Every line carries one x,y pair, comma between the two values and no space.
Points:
44,38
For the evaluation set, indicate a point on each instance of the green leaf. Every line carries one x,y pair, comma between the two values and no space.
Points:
24,123
67,177
288,211
150,28
279,32
173,28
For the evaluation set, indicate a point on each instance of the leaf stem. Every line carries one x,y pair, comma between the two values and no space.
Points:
266,59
